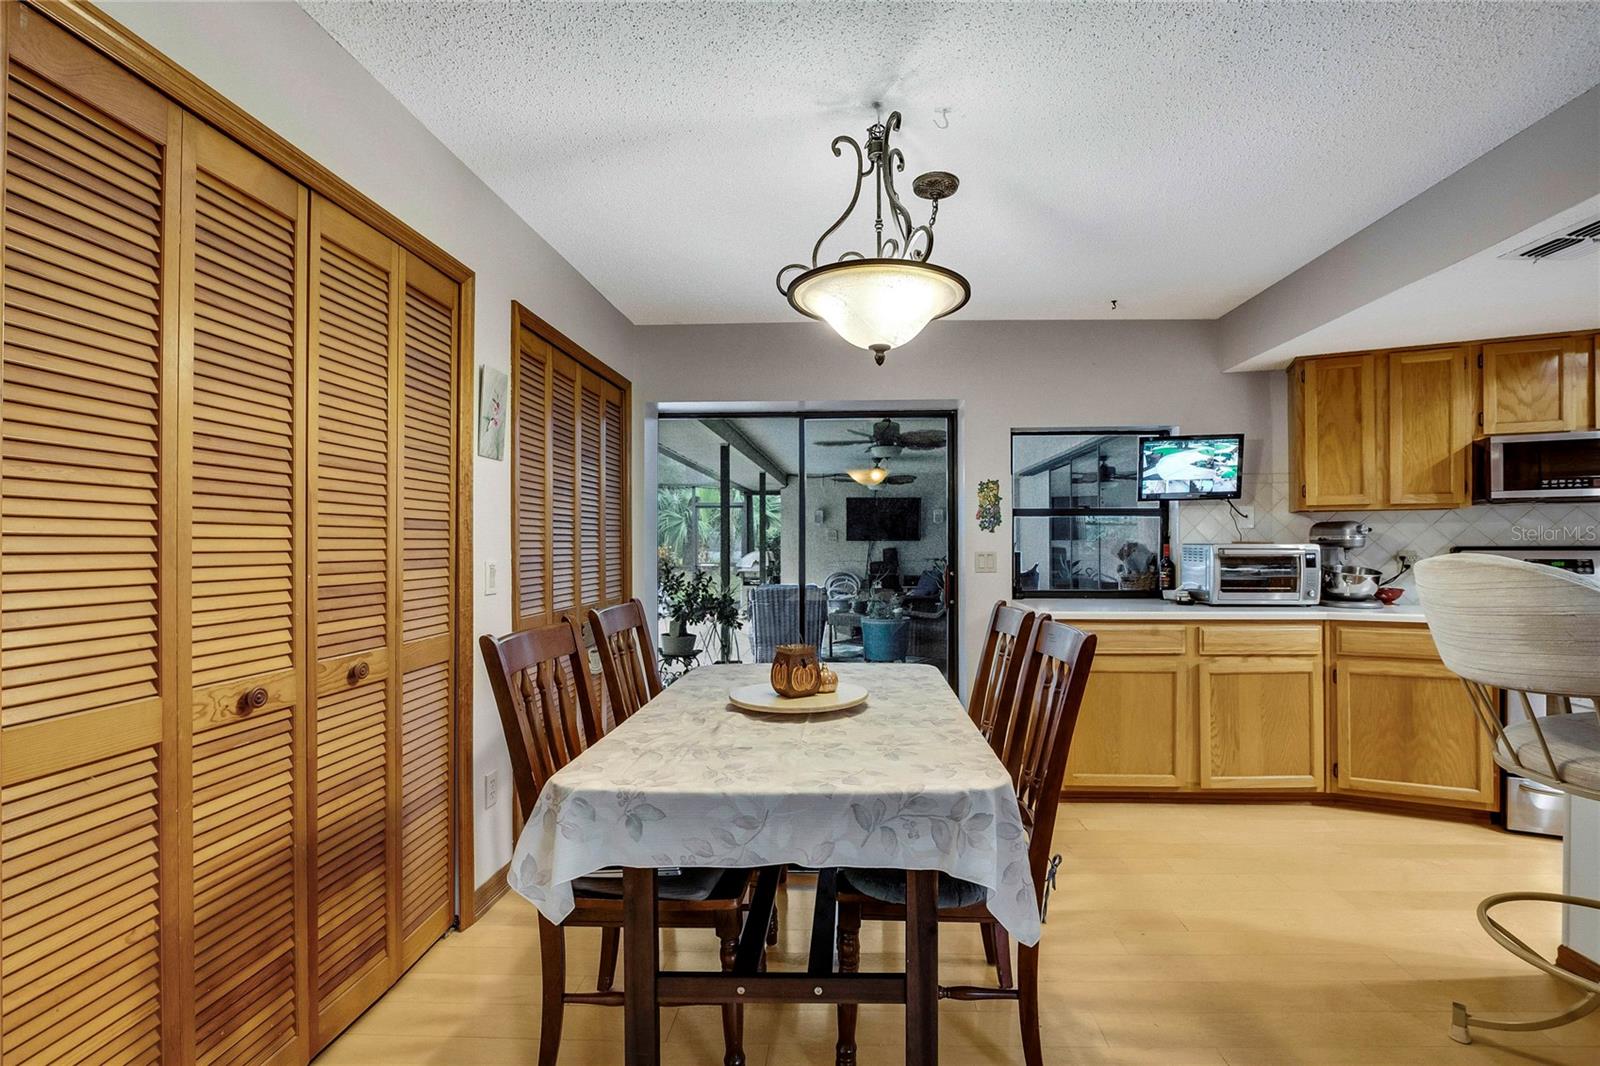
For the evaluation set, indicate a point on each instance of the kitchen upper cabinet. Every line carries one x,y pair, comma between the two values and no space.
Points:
1405,728
1394,429
1537,386
1335,440
1429,436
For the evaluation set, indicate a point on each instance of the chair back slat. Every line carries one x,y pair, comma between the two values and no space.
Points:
627,657
540,683
1000,668
1058,664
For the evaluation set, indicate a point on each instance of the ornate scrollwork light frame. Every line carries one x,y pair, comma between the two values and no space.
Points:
904,242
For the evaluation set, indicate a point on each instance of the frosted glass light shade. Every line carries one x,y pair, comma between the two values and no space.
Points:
871,477
878,304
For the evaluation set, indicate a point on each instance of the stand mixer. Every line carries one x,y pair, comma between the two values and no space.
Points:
1343,583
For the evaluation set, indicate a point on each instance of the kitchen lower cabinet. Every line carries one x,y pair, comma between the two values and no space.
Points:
1405,729
1134,731
1253,708
1261,723
1180,708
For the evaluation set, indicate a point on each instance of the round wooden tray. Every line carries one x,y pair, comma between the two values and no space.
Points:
760,697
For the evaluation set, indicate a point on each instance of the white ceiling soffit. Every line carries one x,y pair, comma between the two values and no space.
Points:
1176,157
1485,295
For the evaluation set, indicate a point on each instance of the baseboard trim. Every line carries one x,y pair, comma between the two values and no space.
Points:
1578,963
488,893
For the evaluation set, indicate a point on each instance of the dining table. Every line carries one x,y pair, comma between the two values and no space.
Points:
904,781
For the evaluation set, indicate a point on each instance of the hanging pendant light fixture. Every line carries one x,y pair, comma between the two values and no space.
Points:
883,301
871,476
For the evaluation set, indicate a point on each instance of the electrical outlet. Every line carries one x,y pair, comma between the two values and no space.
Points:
1405,559
491,789
985,563
491,577
1247,517
833,536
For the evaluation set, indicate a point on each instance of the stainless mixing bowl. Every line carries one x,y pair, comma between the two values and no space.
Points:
1350,582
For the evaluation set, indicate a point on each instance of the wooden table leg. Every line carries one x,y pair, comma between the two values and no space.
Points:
641,953
922,968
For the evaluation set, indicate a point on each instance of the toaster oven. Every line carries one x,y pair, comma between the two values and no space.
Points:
1260,574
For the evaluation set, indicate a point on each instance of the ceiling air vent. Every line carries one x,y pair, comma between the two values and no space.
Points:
1578,240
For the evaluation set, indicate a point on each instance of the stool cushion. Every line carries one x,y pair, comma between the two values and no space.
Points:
889,886
1574,741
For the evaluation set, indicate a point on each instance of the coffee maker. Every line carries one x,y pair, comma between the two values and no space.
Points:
1343,583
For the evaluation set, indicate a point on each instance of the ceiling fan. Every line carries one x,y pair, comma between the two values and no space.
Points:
873,477
887,441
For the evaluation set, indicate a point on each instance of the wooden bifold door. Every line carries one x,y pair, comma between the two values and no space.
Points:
229,426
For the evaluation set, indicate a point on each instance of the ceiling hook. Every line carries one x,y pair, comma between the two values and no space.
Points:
944,113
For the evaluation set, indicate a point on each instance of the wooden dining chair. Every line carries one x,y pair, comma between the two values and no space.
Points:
1000,666
1058,659
626,645
992,705
540,684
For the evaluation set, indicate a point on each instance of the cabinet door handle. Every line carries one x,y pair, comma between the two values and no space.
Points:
358,673
253,700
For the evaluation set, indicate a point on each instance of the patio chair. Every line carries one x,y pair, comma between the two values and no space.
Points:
775,618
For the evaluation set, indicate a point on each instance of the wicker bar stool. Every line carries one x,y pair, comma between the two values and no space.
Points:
1521,627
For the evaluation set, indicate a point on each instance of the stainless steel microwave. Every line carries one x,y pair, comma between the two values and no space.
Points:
1262,574
1539,466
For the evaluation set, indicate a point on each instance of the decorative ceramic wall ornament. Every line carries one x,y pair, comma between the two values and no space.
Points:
989,505
492,387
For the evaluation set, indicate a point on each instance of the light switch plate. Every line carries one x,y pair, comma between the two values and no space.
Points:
984,563
491,577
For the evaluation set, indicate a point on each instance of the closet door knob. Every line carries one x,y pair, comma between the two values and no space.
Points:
358,673
253,700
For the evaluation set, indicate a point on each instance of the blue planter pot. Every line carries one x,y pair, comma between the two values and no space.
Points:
883,640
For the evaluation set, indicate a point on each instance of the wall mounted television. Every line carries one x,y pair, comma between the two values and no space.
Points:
1190,468
883,518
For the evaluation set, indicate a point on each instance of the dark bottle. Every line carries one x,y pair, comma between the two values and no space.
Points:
1169,573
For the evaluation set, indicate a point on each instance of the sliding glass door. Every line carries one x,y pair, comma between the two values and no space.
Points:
831,530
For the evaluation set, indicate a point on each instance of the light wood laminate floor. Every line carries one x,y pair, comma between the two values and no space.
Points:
1203,934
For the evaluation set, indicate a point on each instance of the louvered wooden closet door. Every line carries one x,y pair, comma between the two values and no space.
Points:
427,554
356,278
614,494
244,320
530,442
89,743
564,548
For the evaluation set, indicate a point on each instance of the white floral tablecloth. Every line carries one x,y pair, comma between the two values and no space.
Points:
903,782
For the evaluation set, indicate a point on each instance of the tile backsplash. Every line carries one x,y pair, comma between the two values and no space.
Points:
1419,533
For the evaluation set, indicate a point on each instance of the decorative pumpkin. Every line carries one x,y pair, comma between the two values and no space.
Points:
830,681
796,671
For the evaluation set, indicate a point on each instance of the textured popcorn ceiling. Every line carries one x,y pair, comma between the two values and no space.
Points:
1178,158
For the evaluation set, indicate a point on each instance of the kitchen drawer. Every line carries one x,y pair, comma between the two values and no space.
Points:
1261,638
1389,641
1132,638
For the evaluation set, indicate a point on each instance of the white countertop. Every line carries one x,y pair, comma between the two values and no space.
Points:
1145,609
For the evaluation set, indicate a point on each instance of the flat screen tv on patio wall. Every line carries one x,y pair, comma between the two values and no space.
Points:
883,518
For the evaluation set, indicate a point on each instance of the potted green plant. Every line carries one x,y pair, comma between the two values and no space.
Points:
684,599
723,615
